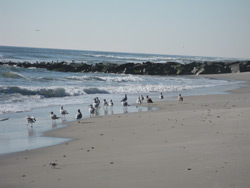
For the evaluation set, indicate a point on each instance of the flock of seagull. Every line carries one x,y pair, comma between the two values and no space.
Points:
95,106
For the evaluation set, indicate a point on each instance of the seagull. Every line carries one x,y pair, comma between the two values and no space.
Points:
96,102
124,99
125,103
79,115
30,120
180,98
53,165
149,100
91,110
142,98
111,103
53,116
138,101
161,96
63,112
105,103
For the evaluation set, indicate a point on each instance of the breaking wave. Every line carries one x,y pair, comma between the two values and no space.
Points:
47,93
51,92
83,78
95,91
151,88
127,78
11,75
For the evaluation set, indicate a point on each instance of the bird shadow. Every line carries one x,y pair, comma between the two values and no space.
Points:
86,122
57,168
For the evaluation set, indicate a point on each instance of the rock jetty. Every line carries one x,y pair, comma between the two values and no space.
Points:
146,68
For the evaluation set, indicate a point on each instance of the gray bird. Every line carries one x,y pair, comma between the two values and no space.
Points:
53,116
124,99
30,120
63,111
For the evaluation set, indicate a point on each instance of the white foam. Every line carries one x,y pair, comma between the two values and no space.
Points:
128,78
151,88
120,78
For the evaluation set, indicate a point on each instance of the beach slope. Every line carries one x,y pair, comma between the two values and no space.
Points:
200,142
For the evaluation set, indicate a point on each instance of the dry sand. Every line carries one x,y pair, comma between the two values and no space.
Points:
202,142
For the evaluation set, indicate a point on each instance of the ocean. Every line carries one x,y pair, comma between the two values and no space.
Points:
37,92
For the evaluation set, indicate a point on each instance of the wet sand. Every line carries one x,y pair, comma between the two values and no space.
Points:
200,142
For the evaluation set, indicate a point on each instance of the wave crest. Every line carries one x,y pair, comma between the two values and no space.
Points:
47,93
95,91
129,78
51,92
87,78
12,75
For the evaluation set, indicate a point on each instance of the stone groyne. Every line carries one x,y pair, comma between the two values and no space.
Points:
146,68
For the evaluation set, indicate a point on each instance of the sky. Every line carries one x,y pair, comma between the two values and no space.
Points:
216,28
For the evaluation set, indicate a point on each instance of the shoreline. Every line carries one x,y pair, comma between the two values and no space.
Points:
146,148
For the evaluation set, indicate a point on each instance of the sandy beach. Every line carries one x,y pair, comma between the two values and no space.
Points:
202,142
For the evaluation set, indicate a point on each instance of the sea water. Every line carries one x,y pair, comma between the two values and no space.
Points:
37,92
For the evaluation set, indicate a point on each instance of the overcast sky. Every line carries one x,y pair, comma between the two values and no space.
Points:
218,28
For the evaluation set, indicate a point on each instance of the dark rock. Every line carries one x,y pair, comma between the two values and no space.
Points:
146,68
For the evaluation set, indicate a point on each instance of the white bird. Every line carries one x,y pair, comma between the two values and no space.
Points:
124,99
78,115
125,103
180,98
111,103
138,101
91,110
161,96
63,112
54,116
30,120
142,98
105,103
